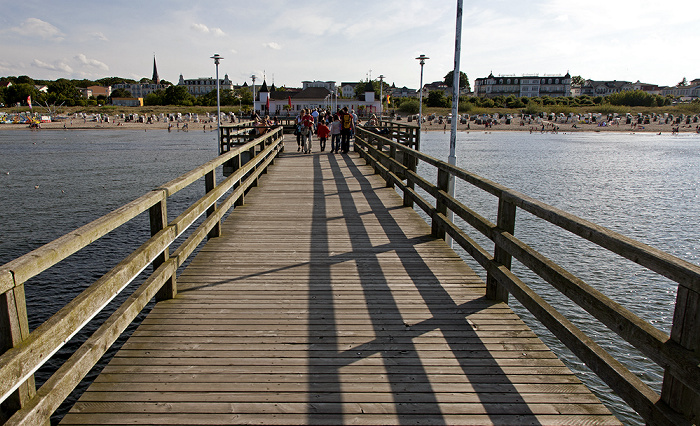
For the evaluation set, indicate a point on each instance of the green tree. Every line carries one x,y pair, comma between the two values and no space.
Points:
23,79
18,93
631,98
245,96
463,80
111,81
63,90
154,98
437,99
178,95
121,93
577,80
409,106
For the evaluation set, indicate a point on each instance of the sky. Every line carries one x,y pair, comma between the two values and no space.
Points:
289,41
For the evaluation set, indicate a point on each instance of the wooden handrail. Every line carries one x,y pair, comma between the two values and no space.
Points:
19,362
679,359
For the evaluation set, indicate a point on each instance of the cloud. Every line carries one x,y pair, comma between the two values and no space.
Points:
98,35
91,62
33,27
201,28
272,45
58,66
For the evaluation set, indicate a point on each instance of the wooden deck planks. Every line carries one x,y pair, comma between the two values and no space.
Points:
327,302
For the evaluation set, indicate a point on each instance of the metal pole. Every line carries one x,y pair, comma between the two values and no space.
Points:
452,159
216,59
422,59
253,77
381,95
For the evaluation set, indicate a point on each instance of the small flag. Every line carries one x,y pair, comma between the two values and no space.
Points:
29,101
267,105
388,101
289,100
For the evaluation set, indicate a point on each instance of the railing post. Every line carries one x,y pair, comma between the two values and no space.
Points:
443,181
235,165
252,155
14,329
390,166
410,163
505,223
158,215
210,185
686,332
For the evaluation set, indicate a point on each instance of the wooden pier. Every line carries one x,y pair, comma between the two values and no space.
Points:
326,301
324,298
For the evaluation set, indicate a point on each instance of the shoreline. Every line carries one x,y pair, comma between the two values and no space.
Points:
543,127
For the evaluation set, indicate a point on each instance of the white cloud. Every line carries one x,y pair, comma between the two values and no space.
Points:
91,62
58,66
201,28
33,27
98,35
272,45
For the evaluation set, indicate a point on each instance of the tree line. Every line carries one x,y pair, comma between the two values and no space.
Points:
438,99
65,92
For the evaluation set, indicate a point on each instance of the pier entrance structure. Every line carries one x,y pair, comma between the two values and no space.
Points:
324,298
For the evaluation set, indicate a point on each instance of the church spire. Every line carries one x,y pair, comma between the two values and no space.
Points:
156,79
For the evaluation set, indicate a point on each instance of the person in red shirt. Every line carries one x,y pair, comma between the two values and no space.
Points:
322,131
307,128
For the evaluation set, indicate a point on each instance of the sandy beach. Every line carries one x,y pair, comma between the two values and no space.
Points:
515,125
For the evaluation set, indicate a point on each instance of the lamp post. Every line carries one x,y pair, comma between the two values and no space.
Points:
381,95
253,77
216,59
422,59
452,158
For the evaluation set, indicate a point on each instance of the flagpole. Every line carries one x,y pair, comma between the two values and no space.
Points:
452,158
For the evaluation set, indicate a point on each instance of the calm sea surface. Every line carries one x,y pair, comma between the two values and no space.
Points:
644,186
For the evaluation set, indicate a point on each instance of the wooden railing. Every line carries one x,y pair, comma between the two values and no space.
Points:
23,352
677,354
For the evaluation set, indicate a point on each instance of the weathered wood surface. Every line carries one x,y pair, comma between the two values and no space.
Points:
326,301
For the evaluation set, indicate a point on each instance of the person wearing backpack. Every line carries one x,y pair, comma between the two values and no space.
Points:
346,129
307,123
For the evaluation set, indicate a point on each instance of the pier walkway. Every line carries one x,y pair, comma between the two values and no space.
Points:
326,301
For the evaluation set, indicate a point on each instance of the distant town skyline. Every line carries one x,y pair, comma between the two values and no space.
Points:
624,40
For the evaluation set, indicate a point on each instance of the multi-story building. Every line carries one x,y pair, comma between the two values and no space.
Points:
204,85
403,92
347,89
140,90
683,92
532,85
604,88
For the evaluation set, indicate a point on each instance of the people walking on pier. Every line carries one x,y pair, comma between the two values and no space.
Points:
307,122
322,131
297,129
346,130
335,134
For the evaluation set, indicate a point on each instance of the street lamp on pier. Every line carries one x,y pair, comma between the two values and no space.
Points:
422,59
253,77
381,94
216,59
